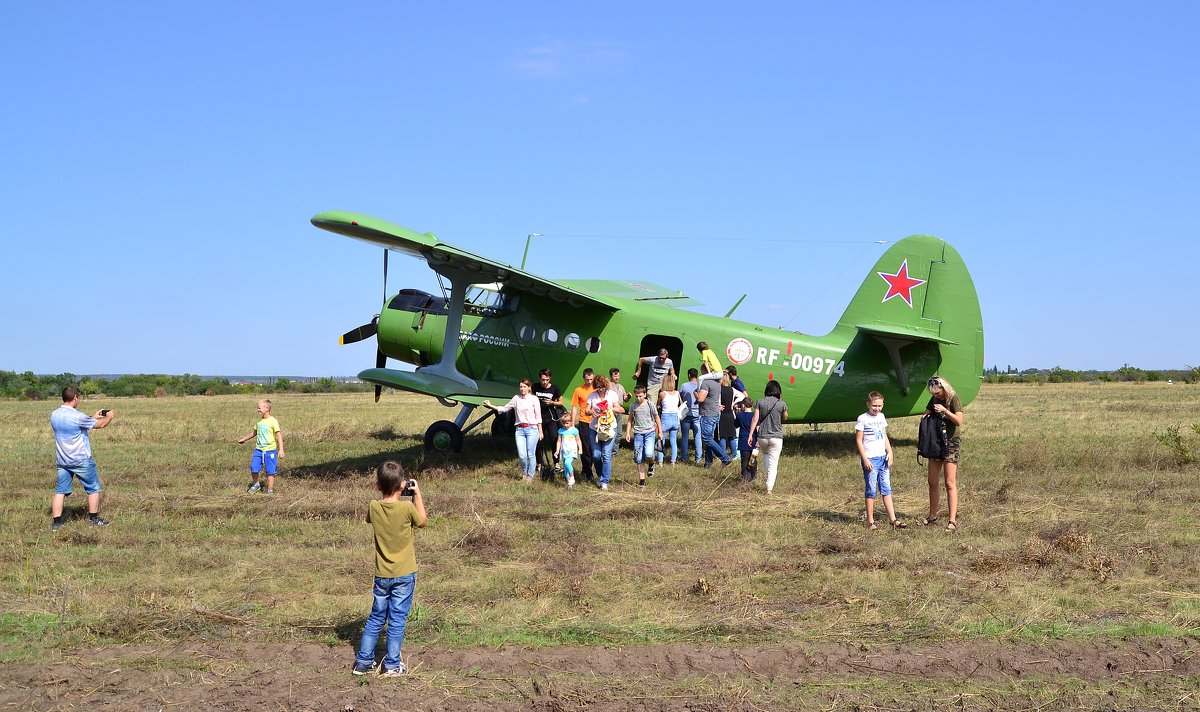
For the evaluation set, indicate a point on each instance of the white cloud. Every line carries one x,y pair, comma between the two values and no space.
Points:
553,59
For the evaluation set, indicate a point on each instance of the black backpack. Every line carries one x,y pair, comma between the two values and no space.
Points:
931,438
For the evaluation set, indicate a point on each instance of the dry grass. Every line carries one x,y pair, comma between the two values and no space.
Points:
1070,511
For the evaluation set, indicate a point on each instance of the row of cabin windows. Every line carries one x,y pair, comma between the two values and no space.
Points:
550,337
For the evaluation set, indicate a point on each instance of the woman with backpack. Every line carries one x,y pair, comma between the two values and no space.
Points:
603,405
946,405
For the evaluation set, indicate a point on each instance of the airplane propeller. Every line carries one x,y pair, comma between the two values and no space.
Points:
370,329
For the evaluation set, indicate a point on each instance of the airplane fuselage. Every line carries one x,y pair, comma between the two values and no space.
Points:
824,379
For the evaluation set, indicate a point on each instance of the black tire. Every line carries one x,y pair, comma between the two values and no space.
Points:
443,436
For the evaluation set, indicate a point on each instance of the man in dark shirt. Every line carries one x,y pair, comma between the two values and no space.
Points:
552,410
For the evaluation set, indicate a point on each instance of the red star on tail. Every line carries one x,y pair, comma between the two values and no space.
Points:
900,284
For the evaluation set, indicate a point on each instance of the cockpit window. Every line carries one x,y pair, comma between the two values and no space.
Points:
484,299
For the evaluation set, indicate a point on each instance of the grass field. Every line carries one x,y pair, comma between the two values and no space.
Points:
1079,533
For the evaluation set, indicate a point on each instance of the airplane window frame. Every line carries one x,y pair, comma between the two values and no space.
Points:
572,341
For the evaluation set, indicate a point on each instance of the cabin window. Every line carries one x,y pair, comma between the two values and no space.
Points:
550,337
571,341
593,344
528,334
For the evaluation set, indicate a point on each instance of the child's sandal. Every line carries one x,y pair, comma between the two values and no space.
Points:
872,526
952,526
927,521
897,524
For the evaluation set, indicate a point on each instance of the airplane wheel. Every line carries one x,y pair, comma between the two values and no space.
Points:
443,436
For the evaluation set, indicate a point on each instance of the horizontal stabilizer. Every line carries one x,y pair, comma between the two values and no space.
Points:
902,332
438,386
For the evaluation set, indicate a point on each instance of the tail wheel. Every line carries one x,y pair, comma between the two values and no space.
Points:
443,436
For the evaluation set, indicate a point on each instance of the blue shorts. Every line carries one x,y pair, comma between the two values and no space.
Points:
86,472
879,482
263,459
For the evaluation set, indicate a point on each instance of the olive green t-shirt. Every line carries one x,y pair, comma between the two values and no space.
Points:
393,523
954,406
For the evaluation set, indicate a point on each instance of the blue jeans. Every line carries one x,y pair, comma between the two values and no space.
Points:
643,446
691,434
602,454
670,428
393,599
712,445
527,440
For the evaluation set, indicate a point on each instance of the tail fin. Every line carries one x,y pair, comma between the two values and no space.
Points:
921,292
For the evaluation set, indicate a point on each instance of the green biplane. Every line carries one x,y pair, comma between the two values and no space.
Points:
915,315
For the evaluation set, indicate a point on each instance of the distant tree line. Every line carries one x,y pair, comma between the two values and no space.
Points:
1126,373
31,386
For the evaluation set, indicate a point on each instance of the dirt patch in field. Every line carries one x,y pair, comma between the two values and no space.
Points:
970,674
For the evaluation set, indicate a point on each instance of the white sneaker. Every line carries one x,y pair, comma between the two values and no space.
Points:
604,486
570,481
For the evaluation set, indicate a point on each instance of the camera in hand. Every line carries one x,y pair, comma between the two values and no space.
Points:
407,490
105,411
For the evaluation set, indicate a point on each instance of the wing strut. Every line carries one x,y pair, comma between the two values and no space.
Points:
460,280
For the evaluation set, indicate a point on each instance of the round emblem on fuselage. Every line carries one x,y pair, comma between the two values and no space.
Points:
739,351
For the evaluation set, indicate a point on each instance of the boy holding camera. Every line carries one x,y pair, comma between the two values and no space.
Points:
393,519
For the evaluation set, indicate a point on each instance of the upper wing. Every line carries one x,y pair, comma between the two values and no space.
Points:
637,290
432,385
436,253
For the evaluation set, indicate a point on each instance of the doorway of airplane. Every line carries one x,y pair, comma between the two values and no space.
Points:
651,343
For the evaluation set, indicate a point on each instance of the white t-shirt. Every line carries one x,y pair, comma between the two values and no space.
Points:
874,430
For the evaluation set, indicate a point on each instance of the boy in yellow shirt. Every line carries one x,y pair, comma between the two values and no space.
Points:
708,359
268,448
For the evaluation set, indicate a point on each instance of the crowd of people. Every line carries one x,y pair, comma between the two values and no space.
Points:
709,418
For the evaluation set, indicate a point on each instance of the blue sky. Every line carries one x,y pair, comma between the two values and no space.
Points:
161,162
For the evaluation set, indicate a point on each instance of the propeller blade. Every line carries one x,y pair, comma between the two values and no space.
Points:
380,362
365,331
